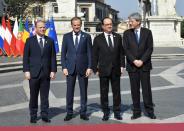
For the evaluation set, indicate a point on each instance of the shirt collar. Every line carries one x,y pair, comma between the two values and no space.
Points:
138,29
38,37
75,33
106,34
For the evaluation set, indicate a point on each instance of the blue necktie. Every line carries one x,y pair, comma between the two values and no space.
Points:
137,36
76,41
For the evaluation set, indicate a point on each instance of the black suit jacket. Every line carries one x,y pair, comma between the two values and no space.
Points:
103,59
141,51
34,60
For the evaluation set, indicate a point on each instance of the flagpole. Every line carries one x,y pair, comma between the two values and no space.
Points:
75,8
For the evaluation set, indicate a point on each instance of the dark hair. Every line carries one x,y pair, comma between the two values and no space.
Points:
76,18
102,21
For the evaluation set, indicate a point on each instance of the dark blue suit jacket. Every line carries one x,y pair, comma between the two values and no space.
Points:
79,59
34,60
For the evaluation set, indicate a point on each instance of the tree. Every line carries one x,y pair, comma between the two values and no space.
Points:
17,7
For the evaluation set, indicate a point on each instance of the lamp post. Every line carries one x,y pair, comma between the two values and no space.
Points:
75,8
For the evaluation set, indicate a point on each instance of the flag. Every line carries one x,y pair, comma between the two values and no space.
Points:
1,40
53,35
14,39
26,33
19,41
32,32
7,37
47,26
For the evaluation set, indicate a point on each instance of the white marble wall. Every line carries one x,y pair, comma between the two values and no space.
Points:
166,30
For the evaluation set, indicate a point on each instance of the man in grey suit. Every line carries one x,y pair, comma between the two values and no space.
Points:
138,46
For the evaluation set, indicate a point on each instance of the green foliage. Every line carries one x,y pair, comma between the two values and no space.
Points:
182,29
17,7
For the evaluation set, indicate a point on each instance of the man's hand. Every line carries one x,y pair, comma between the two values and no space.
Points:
97,73
88,72
65,72
138,63
27,75
52,75
122,70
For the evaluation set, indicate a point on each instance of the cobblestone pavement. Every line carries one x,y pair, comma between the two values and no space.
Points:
167,79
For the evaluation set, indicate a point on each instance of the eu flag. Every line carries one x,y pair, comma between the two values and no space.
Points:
53,35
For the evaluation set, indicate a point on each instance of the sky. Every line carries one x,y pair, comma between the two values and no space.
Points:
126,7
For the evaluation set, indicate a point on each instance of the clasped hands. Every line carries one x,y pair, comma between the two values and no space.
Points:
138,63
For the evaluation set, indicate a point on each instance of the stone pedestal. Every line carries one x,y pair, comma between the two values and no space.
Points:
62,19
165,29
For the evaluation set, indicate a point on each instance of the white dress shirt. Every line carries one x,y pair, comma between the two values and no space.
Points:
111,36
74,36
43,39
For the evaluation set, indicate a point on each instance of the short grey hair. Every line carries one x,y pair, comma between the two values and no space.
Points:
39,19
137,16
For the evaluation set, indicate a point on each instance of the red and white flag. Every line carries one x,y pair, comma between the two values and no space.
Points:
14,39
7,36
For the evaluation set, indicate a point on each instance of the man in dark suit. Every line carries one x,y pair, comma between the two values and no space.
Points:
138,46
108,63
76,62
39,65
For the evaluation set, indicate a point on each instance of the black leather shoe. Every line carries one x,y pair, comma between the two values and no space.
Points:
68,117
84,117
105,117
135,116
45,119
151,115
118,116
33,120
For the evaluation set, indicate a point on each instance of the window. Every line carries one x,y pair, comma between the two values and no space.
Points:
38,11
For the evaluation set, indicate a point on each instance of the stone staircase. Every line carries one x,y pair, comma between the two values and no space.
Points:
10,64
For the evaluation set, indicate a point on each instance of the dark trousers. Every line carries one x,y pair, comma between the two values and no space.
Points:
40,84
83,84
136,78
104,90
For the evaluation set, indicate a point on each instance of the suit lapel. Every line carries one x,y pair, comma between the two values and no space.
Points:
141,35
134,37
71,39
36,43
45,43
104,39
115,40
81,39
